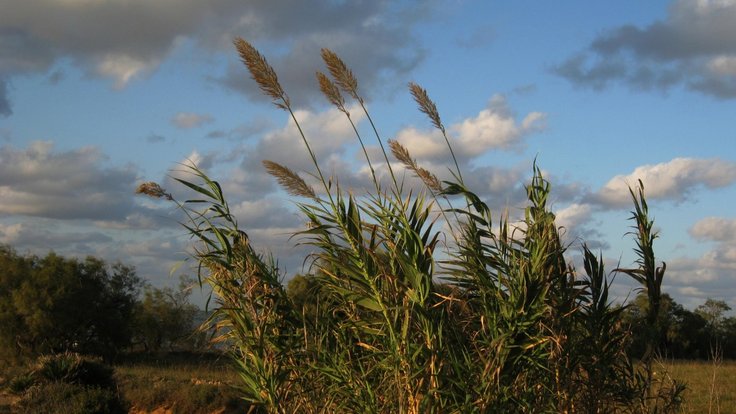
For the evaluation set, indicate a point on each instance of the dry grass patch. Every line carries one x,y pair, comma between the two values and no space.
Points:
180,385
711,387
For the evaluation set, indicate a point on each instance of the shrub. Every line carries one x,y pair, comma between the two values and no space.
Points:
20,383
74,369
496,319
65,398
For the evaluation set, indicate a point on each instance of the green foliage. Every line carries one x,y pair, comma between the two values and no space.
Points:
407,317
64,398
165,317
74,369
52,304
20,383
67,383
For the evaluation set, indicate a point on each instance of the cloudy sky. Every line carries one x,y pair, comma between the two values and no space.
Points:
97,96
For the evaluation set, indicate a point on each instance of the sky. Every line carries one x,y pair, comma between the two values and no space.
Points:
98,96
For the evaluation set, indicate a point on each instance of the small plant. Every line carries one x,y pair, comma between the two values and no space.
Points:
407,317
74,369
20,383
60,397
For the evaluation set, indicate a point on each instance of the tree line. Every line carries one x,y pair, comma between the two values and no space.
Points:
51,304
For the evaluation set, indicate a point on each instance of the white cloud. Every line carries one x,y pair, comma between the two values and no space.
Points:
122,68
69,185
694,47
121,40
715,228
188,120
573,216
672,180
494,127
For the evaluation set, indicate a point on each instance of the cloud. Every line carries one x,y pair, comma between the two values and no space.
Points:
573,216
124,40
694,47
672,180
42,236
494,127
5,108
189,120
714,228
39,182
374,39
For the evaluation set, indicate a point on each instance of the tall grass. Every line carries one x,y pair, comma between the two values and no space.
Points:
498,321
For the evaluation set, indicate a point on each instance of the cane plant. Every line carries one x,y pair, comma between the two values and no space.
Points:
425,302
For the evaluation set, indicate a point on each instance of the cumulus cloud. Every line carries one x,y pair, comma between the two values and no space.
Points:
715,229
672,180
40,236
121,41
373,38
189,120
494,127
37,181
695,47
573,216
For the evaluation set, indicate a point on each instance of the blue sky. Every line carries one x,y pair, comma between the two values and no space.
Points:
97,96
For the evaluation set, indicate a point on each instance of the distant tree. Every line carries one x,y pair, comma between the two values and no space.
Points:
53,304
303,290
713,311
165,317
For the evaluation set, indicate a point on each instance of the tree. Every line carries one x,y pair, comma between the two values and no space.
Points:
165,317
713,312
52,304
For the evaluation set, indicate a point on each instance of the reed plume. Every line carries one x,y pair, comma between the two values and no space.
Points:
154,190
332,92
343,76
426,105
262,72
402,154
290,180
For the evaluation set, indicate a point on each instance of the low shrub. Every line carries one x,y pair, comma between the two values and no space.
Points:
65,398
74,369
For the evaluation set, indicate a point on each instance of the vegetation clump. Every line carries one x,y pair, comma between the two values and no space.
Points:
425,301
67,383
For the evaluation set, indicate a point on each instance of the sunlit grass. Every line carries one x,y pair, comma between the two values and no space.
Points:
185,385
711,387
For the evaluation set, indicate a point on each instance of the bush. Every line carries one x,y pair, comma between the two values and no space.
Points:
20,383
52,304
74,369
67,383
65,398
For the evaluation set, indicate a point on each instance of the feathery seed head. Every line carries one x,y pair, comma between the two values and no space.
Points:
343,76
331,91
429,179
290,180
402,154
154,190
426,105
262,72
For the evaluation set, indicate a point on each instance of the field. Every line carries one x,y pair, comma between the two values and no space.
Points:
189,384
711,388
181,384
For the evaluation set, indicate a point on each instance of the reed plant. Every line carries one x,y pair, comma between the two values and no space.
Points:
426,302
